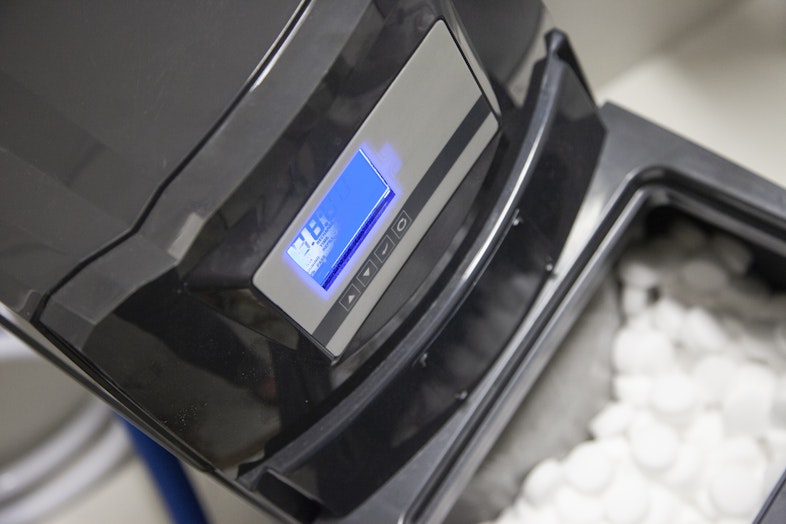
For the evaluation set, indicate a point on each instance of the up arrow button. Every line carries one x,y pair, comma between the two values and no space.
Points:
349,297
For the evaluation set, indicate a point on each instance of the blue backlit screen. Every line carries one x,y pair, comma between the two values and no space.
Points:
341,221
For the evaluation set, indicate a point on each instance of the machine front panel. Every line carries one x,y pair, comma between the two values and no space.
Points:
360,225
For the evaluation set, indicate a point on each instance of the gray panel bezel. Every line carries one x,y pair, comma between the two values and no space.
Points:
430,98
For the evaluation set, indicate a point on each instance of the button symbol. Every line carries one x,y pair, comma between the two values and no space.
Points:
367,272
401,224
385,246
349,297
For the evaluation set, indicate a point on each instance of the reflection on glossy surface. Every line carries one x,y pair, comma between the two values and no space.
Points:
100,104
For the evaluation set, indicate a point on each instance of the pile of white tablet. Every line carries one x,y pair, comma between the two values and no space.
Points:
696,429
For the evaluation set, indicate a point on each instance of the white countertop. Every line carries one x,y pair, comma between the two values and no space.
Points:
723,87
722,84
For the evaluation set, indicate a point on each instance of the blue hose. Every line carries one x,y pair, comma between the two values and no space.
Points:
173,485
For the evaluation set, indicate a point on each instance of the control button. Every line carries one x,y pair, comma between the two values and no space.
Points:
384,248
349,297
367,272
401,224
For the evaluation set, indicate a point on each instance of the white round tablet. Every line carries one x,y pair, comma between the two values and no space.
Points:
639,268
654,445
668,315
745,296
779,404
737,490
775,440
703,274
706,430
702,332
747,408
542,481
738,451
612,420
735,256
587,468
639,320
774,471
685,474
733,520
642,350
616,448
634,300
705,505
713,374
635,390
623,347
627,499
675,397
690,515
754,372
574,507
664,506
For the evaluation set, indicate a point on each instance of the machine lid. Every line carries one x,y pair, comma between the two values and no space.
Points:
100,103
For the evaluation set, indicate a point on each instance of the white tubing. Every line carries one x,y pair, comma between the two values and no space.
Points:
99,459
58,449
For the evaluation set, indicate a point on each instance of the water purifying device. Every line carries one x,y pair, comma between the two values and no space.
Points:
310,246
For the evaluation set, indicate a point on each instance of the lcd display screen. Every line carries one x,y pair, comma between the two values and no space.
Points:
341,221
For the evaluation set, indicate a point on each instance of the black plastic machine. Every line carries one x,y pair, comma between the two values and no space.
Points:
317,248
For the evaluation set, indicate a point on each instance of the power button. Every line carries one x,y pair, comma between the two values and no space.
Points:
401,224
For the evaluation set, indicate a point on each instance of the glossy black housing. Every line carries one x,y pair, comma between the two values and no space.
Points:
156,311
102,103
